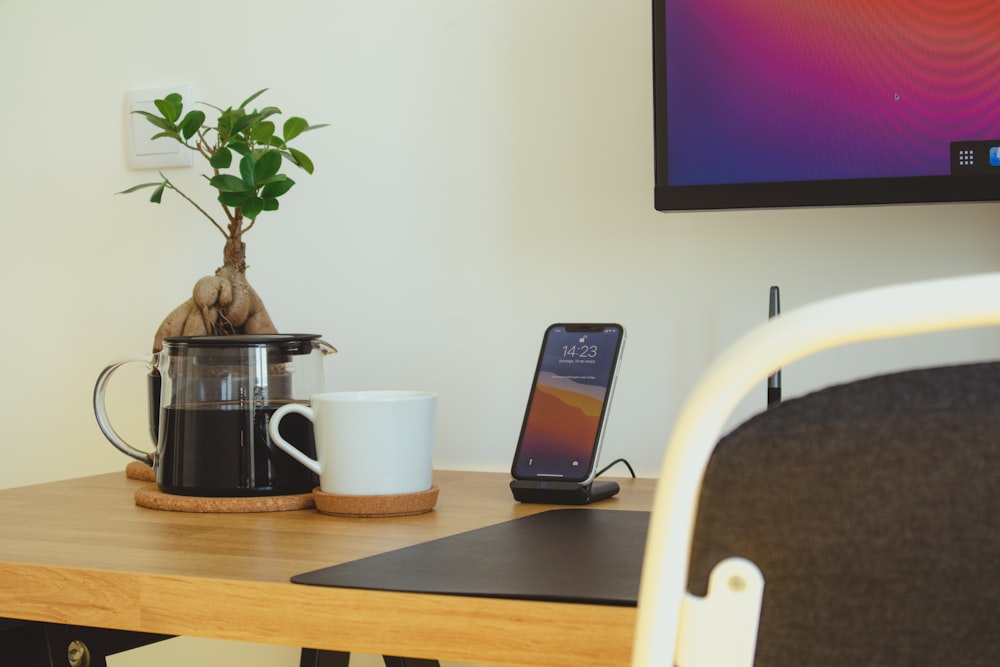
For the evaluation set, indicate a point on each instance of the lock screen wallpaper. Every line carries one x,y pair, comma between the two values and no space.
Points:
788,90
567,403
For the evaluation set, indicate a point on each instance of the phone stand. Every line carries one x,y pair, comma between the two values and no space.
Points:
562,493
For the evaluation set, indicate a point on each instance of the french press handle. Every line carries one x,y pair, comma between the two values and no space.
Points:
101,408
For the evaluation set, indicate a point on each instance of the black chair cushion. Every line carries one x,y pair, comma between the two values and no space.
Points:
873,510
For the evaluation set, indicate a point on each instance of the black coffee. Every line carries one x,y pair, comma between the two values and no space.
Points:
223,449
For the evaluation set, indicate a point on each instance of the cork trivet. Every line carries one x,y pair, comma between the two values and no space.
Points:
151,497
140,471
403,504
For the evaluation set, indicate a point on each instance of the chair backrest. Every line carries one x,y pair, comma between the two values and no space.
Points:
873,511
880,313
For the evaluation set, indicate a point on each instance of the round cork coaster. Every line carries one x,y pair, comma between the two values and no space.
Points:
140,471
150,496
402,504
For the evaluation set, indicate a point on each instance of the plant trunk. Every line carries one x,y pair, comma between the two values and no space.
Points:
221,305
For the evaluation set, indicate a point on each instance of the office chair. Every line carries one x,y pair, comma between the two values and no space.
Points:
857,525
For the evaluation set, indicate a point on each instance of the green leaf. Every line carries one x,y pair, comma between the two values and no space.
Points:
168,135
252,207
302,160
277,188
157,194
139,187
221,159
252,119
168,109
176,100
267,166
262,132
267,112
228,119
270,204
247,165
253,97
275,142
293,127
240,147
192,123
244,122
229,183
235,199
161,123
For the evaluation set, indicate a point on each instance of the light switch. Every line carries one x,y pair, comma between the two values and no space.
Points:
142,150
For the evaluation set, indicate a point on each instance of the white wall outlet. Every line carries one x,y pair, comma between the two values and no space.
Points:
142,151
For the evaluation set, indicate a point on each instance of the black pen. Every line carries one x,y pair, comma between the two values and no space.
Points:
774,381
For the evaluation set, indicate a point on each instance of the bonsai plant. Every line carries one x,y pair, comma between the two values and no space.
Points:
247,141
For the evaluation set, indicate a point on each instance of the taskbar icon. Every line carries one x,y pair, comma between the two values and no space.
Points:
975,157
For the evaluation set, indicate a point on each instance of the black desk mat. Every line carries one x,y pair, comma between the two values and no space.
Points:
564,555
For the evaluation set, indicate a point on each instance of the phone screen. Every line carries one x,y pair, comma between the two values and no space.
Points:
564,421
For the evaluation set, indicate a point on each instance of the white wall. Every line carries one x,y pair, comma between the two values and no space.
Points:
488,171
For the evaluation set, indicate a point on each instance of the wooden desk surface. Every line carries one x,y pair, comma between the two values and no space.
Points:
81,552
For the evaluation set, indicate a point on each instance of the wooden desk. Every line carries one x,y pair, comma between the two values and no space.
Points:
80,552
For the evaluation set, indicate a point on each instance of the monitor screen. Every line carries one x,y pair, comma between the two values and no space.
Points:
767,103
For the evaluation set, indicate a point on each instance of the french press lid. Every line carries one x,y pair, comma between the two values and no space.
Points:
292,344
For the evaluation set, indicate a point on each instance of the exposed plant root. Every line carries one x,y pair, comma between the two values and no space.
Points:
222,304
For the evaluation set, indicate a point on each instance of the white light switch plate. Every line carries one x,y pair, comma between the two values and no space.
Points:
142,150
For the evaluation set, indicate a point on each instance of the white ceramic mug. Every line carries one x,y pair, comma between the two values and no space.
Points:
367,442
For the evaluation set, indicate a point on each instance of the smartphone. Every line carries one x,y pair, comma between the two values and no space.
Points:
568,405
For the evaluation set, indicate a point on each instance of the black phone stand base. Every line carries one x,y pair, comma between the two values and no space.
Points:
562,493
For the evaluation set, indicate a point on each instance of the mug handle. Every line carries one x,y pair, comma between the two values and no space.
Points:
101,409
287,447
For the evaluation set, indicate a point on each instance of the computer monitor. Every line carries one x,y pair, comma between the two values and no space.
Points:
778,103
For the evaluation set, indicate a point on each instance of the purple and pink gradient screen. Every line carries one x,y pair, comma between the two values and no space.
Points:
787,90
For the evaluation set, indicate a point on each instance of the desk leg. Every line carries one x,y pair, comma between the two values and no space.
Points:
311,657
315,658
391,661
